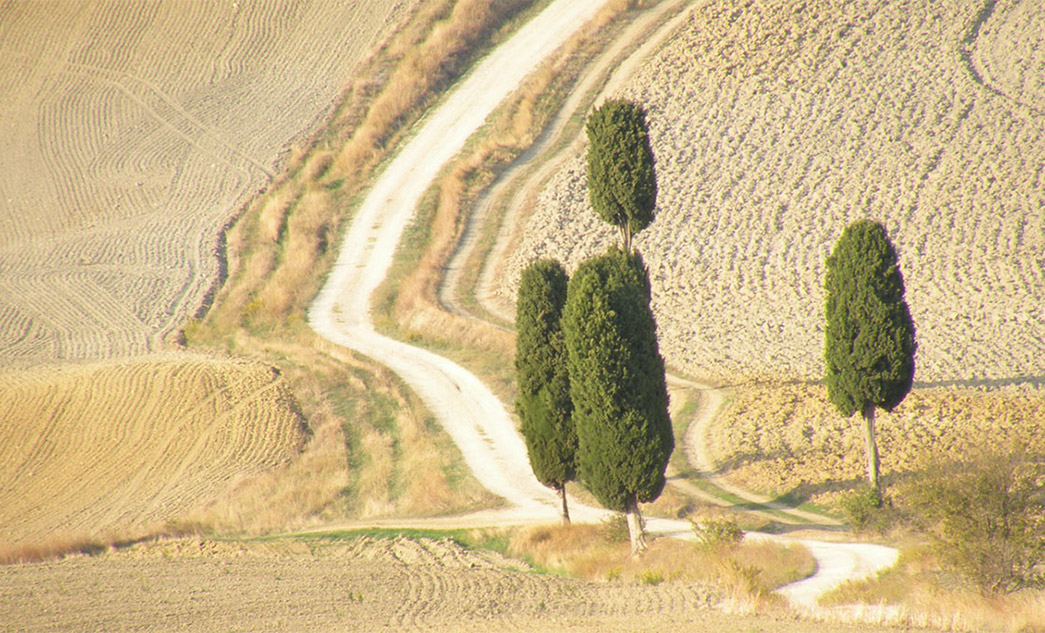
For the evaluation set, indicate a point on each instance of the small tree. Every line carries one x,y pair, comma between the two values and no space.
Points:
617,385
869,341
622,183
543,404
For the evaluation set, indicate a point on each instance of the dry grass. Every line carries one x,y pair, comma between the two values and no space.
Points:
789,439
744,574
374,451
407,300
280,247
923,594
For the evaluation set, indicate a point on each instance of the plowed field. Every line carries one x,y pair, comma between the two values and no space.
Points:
776,123
363,585
132,131
117,448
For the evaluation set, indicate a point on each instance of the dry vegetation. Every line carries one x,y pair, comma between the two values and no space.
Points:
788,439
740,574
121,448
919,591
775,124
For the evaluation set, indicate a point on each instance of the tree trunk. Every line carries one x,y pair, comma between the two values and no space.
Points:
872,447
625,236
565,509
635,531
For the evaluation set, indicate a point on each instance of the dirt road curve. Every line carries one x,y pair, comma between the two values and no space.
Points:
474,417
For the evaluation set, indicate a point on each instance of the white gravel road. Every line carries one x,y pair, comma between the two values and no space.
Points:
477,421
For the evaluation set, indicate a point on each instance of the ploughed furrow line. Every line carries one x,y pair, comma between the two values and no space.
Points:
118,446
770,140
130,146
197,585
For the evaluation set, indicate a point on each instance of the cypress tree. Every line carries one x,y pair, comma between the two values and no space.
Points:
543,404
869,342
622,183
617,385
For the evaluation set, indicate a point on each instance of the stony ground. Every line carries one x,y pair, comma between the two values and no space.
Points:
775,124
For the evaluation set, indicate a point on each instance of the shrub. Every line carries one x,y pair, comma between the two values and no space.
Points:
718,533
986,518
866,510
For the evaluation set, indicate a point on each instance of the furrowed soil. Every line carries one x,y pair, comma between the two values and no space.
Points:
132,133
357,585
775,124
121,448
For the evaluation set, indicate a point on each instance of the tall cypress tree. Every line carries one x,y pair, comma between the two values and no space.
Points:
869,342
622,182
544,404
617,385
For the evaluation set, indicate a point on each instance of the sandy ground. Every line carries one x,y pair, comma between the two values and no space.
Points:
363,585
121,447
132,132
774,126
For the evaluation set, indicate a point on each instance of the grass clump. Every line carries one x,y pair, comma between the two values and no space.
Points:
744,572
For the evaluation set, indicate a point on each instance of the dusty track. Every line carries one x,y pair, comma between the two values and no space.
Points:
132,132
476,420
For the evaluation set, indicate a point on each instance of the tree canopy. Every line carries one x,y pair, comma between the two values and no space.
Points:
869,342
544,404
617,382
622,182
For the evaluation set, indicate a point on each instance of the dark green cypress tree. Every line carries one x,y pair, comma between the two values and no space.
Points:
622,182
869,342
617,385
544,404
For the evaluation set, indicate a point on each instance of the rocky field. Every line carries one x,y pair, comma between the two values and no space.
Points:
776,123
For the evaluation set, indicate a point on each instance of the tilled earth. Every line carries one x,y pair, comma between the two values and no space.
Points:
358,585
777,123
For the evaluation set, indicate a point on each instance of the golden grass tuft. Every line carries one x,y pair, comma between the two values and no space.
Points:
926,595
746,574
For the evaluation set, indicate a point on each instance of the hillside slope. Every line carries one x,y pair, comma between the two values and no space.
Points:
132,132
775,125
122,447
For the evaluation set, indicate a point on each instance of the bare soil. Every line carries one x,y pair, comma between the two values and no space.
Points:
122,447
132,133
775,124
359,585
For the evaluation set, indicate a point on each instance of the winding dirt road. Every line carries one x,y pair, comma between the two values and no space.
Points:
476,420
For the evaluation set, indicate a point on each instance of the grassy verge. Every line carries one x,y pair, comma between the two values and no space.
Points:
744,572
406,305
923,592
375,451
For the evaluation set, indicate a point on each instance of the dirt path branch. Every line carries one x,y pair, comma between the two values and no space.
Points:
476,420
